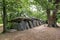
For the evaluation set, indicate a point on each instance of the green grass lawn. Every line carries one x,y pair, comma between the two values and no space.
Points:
0,20
58,20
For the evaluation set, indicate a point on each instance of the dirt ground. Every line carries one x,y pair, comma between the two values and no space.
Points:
38,33
1,27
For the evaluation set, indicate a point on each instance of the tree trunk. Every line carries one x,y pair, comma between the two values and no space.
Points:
48,17
4,17
52,19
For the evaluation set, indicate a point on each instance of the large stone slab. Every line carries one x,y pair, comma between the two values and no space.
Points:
27,25
30,24
37,23
21,26
34,23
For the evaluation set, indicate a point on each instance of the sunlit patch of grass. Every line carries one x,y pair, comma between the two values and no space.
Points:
1,25
58,20
0,20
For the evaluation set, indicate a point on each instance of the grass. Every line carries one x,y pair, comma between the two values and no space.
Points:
0,20
58,20
1,24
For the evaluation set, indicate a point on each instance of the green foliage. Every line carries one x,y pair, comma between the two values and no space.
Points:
45,4
15,8
58,16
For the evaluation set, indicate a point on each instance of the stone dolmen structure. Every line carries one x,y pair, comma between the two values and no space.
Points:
23,23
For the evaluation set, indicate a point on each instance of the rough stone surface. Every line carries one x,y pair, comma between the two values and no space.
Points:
30,24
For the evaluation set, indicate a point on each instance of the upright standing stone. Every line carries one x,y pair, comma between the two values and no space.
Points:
27,25
30,24
15,25
21,25
37,23
33,23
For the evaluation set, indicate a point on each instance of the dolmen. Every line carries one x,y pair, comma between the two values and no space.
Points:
23,23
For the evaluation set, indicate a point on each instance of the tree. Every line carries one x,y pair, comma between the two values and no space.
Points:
4,17
49,5
52,19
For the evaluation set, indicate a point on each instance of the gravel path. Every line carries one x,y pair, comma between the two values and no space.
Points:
37,33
